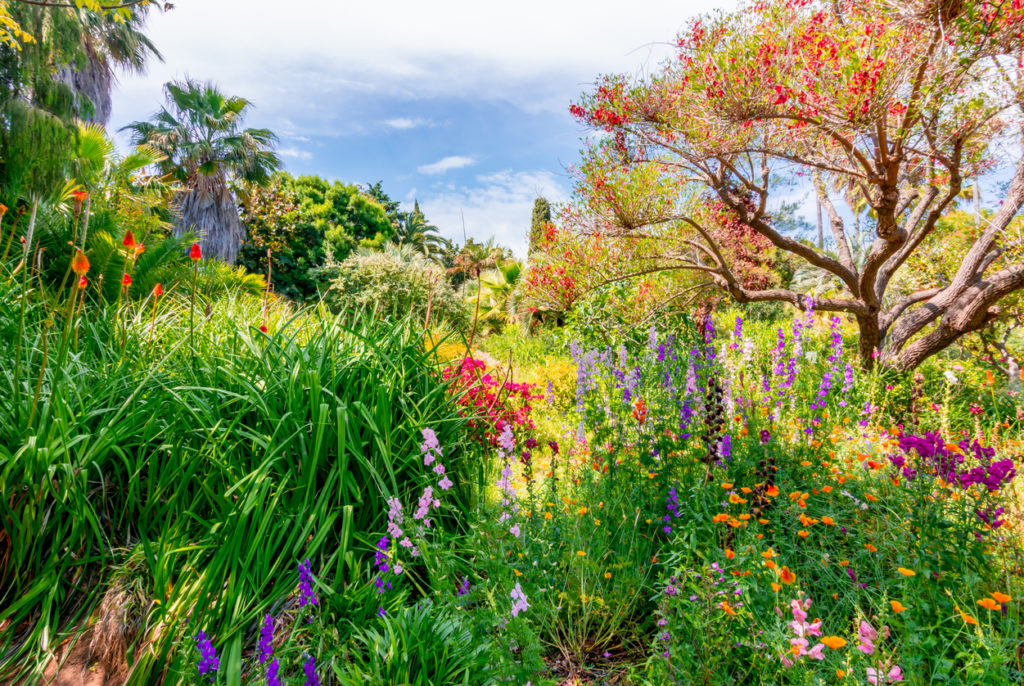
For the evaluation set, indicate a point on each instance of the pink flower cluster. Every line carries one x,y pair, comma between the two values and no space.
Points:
885,673
802,628
495,404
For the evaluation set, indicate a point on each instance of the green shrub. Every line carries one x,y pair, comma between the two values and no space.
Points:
395,282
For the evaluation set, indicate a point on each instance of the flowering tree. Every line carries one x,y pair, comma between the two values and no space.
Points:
896,103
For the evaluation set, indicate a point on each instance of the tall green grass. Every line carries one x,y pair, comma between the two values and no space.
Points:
199,478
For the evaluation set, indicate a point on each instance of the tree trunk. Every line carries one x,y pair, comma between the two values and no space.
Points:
209,210
870,339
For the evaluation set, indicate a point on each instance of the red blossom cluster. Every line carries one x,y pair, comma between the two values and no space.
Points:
748,249
490,403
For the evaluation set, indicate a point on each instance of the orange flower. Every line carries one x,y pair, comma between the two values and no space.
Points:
729,553
871,547
158,290
844,563
803,533
906,572
762,520
726,485
786,576
769,554
3,209
828,521
840,674
79,196
736,500
1002,597
721,517
897,606
966,617
770,564
80,263
607,575
833,642
129,240
776,587
826,489
772,492
990,604
871,497
727,609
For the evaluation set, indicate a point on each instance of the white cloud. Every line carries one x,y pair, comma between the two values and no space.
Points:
446,164
405,123
500,206
296,153
315,57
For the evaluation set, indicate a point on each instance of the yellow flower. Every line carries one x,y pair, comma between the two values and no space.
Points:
547,515
897,606
906,572
581,553
607,575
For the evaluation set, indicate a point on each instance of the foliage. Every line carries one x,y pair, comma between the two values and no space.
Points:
393,282
540,218
301,220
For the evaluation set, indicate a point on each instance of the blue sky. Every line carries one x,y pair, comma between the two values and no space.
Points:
461,105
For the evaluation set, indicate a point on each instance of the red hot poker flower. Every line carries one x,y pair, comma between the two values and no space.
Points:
158,290
82,282
126,280
196,253
80,263
129,240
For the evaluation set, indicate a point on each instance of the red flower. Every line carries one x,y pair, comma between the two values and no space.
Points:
263,328
82,282
79,196
129,240
126,280
196,253
158,290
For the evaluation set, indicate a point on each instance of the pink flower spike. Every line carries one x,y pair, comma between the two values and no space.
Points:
798,612
866,632
814,629
895,674
816,653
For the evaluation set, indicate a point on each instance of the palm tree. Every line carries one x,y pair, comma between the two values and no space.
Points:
108,44
413,230
200,134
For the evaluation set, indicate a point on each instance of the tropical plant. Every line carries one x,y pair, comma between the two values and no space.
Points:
413,230
199,132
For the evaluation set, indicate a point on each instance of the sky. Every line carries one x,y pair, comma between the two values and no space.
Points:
460,105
